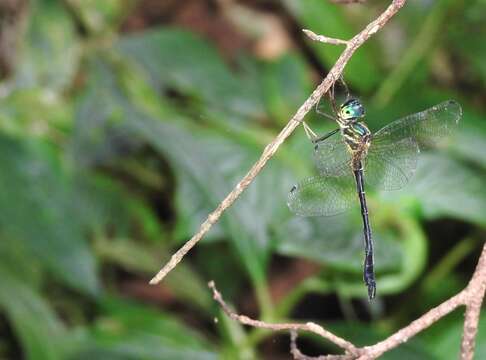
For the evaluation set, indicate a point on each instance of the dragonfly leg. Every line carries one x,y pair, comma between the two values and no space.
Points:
332,97
345,86
311,135
329,116
324,137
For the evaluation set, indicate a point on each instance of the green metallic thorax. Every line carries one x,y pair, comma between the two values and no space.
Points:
356,135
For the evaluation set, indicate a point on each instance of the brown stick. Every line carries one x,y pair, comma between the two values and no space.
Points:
335,73
474,299
310,327
471,297
294,350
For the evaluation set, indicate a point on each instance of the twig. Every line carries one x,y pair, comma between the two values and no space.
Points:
475,295
310,327
343,2
471,297
271,149
297,354
324,39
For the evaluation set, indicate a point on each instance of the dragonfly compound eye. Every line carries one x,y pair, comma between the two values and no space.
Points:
352,109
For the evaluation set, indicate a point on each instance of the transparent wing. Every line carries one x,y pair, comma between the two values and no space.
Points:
331,157
427,127
393,153
390,165
322,196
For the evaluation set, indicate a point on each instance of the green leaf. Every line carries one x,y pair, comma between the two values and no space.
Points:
130,331
445,187
205,160
36,209
37,326
142,258
179,60
100,16
444,338
471,52
336,241
51,51
287,85
471,138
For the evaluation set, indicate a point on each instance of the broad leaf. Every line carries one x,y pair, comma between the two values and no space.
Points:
130,331
37,210
179,60
37,326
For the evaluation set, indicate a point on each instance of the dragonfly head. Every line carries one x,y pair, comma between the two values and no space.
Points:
352,109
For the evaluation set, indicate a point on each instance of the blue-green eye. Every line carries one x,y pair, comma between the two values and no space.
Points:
352,109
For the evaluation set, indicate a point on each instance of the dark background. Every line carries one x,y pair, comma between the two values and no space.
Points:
124,123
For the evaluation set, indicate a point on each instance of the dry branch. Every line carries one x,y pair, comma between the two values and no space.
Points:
324,39
471,297
310,327
335,73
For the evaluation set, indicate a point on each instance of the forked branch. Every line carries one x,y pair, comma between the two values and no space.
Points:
270,150
471,297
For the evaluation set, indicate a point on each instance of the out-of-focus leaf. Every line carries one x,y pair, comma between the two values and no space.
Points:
208,161
286,86
444,338
179,60
51,52
34,113
130,331
471,138
101,202
99,16
38,328
445,187
323,17
336,241
141,258
462,36
36,210
100,134
192,159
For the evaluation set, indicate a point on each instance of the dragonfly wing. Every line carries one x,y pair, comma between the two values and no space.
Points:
392,156
389,165
427,127
331,157
322,196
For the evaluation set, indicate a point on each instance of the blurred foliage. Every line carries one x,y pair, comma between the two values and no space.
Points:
115,145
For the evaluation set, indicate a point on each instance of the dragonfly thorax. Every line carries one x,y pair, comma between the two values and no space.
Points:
357,137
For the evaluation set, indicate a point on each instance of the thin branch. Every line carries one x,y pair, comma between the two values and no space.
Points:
271,149
297,354
475,291
347,2
324,39
471,297
310,327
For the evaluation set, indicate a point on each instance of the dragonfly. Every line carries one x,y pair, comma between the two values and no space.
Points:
351,157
